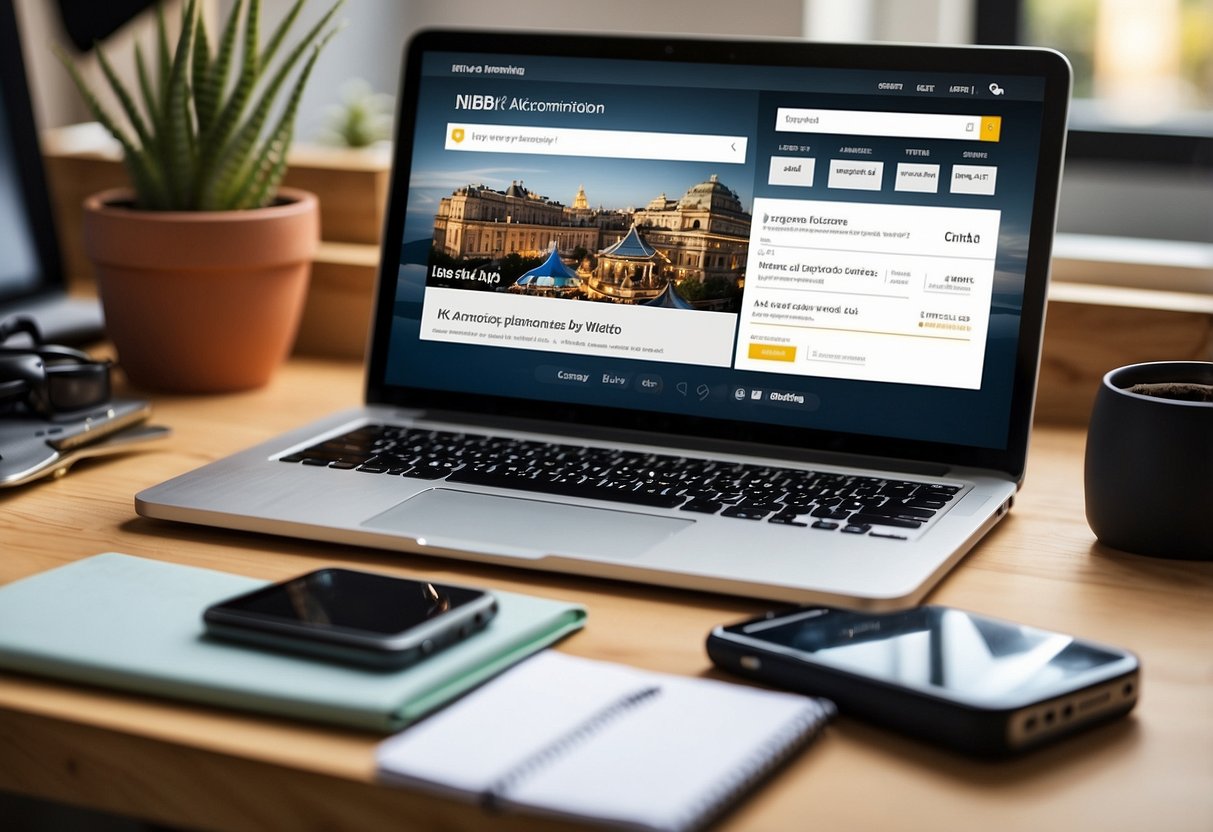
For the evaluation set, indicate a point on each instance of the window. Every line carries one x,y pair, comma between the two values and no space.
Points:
1143,69
1139,161
1136,62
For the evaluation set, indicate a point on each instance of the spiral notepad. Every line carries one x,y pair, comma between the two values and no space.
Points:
577,738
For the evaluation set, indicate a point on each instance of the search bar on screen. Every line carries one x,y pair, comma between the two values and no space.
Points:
894,125
609,144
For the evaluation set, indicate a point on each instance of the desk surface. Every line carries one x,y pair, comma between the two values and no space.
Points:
206,767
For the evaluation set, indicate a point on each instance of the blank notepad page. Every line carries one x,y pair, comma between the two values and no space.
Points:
578,738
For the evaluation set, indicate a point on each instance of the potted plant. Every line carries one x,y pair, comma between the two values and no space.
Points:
202,266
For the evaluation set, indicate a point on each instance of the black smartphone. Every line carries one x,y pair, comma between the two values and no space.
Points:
355,617
976,684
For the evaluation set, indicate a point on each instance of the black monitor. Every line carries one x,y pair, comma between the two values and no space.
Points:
32,280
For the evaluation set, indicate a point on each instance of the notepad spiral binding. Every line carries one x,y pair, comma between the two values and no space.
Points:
762,762
500,788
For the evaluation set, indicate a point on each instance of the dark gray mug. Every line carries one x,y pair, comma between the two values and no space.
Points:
1149,464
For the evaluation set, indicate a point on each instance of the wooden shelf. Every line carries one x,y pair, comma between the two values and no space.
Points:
1091,329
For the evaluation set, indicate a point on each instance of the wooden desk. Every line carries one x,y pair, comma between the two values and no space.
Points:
204,767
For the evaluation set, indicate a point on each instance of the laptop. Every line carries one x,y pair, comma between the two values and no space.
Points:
760,318
32,281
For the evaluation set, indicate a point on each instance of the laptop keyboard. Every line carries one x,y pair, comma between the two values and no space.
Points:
788,496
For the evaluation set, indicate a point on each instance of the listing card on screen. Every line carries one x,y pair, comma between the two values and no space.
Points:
873,292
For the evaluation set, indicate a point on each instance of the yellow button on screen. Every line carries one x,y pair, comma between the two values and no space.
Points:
991,127
772,352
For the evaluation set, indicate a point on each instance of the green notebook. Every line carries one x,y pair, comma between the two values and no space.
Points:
126,622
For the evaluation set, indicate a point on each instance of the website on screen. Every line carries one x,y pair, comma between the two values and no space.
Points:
731,242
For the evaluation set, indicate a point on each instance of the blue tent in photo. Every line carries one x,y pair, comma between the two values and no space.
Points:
631,247
550,275
669,299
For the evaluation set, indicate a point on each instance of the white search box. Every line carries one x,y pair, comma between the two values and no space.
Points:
898,125
603,144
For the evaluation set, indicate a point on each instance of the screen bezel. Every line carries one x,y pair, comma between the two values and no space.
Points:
1045,64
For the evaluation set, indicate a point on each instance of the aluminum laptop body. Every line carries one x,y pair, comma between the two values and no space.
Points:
771,258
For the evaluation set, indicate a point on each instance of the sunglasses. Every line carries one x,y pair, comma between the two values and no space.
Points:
47,379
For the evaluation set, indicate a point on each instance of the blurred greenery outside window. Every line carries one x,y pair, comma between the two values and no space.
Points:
1139,158
1138,64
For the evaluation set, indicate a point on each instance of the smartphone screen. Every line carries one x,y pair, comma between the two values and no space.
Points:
946,651
359,601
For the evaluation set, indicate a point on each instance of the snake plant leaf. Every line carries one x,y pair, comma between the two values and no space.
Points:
279,33
165,56
144,175
148,184
219,68
215,142
175,150
197,144
235,163
204,94
270,165
150,103
125,99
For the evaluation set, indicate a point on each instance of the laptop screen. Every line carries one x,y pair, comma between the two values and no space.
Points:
836,247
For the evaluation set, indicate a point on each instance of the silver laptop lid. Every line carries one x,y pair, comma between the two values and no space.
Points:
828,247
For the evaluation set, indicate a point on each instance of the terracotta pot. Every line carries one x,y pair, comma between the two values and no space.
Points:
201,301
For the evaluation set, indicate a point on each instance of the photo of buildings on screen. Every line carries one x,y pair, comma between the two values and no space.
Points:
684,252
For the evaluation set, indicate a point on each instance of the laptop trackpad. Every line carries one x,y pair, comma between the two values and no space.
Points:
530,528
